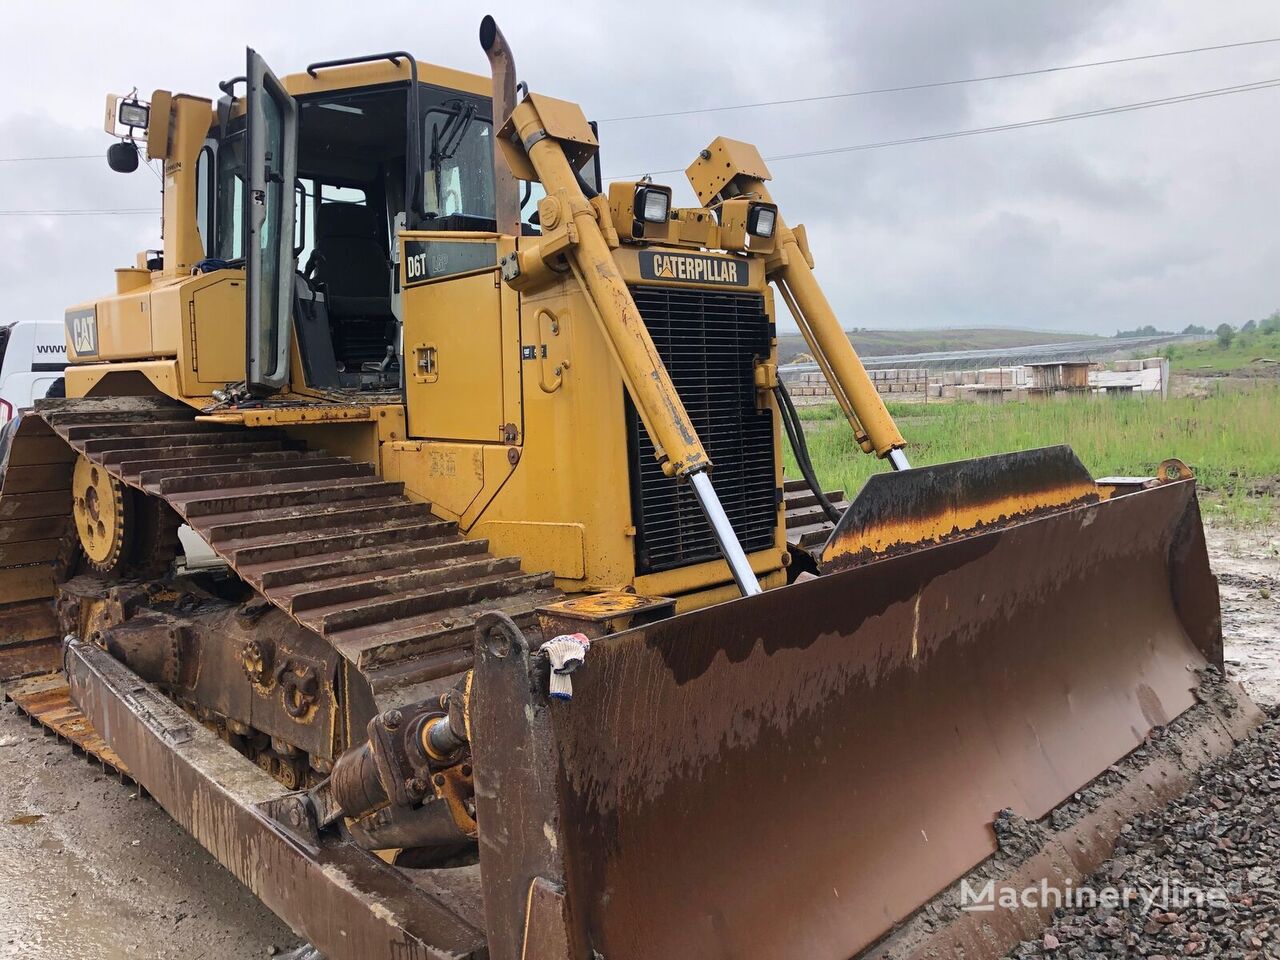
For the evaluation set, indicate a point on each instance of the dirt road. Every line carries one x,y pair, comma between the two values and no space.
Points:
1247,563
103,875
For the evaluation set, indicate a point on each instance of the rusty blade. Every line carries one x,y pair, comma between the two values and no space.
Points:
791,775
904,510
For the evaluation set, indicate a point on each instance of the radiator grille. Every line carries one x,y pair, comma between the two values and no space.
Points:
709,342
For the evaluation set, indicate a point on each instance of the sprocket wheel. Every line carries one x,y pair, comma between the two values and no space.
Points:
99,504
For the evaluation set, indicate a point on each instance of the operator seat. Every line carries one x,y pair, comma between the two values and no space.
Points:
351,262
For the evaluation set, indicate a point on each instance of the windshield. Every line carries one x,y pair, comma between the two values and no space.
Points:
458,149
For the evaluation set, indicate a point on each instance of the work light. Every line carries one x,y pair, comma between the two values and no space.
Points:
761,219
653,204
134,114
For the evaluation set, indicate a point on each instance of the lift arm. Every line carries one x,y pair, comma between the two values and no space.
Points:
729,169
548,140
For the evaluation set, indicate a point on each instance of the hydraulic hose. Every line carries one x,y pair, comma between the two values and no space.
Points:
800,447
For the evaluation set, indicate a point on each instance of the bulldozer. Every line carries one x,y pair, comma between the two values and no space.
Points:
415,531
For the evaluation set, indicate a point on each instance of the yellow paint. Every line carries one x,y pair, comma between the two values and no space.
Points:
217,313
541,546
460,320
126,379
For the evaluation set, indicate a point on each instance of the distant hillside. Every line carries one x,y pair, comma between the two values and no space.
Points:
879,343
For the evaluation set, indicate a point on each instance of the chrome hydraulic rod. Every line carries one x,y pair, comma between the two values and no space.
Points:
730,547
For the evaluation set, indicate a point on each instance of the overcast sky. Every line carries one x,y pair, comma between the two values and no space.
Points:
1165,216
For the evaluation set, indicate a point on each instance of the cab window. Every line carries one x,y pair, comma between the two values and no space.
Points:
229,221
459,162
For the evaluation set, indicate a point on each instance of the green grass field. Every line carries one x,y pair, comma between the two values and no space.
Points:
1242,354
1228,439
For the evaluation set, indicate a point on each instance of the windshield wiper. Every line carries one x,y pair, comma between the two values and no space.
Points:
445,143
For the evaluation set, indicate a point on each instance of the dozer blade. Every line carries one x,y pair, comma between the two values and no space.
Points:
792,775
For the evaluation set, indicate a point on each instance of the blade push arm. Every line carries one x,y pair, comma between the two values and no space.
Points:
729,169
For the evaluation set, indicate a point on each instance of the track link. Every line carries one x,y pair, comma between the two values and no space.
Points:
807,524
46,700
391,586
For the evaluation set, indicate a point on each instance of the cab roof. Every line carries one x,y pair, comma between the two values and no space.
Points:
318,78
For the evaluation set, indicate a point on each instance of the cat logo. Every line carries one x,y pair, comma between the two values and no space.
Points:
691,268
82,331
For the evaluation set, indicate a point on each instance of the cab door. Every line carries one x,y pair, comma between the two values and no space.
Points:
453,338
268,215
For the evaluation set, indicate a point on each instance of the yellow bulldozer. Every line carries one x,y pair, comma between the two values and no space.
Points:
415,531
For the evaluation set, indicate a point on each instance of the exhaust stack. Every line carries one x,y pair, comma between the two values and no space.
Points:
503,67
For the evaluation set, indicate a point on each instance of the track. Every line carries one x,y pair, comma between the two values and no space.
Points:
389,585
807,524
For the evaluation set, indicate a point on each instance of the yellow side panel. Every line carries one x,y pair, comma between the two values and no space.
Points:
124,326
453,357
218,319
457,479
540,546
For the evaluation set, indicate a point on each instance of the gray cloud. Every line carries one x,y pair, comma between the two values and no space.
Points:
1163,216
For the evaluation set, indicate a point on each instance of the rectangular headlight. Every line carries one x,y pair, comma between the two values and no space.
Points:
761,219
134,114
653,204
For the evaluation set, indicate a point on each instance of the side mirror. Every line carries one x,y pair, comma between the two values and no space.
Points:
122,157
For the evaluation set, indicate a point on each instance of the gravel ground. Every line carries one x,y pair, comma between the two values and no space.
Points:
1221,840
90,870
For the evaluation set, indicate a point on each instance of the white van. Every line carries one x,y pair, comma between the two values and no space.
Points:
33,355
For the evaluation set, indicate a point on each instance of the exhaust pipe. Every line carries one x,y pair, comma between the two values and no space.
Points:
503,68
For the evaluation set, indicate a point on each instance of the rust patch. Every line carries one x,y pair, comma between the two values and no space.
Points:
46,700
897,512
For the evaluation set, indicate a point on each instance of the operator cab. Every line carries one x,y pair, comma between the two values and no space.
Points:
348,165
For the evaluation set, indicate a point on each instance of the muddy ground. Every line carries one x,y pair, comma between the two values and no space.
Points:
1247,562
90,870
